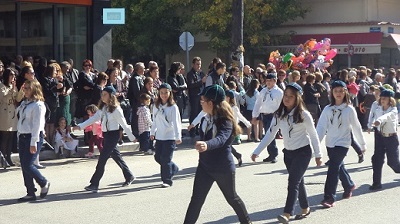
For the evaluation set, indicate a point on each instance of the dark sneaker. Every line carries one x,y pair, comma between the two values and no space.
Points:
270,160
361,158
375,187
27,198
327,203
347,194
92,188
45,190
282,219
129,182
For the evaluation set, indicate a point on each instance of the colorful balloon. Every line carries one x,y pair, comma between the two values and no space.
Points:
287,57
331,54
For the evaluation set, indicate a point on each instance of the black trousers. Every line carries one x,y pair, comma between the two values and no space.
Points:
388,146
202,184
110,149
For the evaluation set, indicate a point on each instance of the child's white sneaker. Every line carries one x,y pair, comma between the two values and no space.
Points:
149,152
89,155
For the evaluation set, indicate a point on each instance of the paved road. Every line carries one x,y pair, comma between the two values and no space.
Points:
262,187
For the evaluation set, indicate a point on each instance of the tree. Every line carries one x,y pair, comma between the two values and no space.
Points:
153,26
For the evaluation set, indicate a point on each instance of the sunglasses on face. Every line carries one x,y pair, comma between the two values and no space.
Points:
87,66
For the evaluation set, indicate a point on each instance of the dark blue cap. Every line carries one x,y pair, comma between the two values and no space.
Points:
214,93
381,88
110,89
230,94
295,86
271,75
387,93
165,86
338,83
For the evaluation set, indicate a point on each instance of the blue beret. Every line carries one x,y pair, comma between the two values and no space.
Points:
296,87
387,93
271,75
165,86
338,83
110,89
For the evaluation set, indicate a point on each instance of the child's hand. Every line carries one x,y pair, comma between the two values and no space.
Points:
201,146
190,127
178,142
76,128
152,137
253,157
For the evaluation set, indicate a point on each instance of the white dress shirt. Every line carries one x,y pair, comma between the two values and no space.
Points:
268,101
337,123
109,121
166,123
239,117
372,114
295,135
31,119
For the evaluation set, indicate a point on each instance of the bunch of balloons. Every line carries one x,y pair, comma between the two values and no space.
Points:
311,52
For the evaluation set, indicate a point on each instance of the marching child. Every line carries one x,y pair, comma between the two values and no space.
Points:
386,140
144,124
166,130
299,134
230,98
112,117
63,139
97,134
338,121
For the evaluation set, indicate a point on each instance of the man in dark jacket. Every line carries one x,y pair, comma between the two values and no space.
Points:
195,82
134,91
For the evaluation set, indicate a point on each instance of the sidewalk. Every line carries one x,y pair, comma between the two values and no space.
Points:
127,146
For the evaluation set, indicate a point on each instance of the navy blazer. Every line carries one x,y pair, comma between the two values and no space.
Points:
218,157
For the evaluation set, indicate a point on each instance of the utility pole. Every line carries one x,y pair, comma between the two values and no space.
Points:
237,35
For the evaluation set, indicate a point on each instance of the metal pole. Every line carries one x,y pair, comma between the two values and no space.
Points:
187,51
348,61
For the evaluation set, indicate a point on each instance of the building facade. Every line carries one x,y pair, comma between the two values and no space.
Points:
55,29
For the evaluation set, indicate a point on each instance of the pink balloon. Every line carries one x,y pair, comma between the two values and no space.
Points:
331,54
317,46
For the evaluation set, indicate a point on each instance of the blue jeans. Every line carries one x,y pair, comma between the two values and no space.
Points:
110,149
388,146
29,171
163,156
272,149
203,181
296,162
336,171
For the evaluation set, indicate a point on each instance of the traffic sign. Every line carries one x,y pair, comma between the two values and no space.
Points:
186,41
351,49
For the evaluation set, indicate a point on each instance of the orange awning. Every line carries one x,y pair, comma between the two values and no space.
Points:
69,2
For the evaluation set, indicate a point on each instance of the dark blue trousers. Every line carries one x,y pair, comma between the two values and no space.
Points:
272,149
336,171
163,156
388,146
29,171
296,162
203,181
110,149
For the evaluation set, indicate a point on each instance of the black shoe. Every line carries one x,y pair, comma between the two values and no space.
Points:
129,181
45,190
327,163
270,160
361,158
9,161
92,188
27,198
120,142
240,161
375,187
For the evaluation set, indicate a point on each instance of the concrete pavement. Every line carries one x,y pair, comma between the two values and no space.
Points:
261,186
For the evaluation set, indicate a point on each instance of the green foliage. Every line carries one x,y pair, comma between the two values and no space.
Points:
153,26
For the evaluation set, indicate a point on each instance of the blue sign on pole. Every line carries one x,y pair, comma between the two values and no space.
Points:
390,30
114,16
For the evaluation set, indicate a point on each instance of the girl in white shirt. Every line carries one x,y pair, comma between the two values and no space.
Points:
31,121
166,129
386,140
337,122
111,116
299,134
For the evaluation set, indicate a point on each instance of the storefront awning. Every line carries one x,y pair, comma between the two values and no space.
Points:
396,39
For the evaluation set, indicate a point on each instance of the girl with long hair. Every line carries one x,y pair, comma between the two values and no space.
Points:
111,116
166,130
31,121
217,131
299,134
338,121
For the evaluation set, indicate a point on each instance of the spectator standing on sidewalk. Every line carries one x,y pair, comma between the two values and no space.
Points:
195,82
